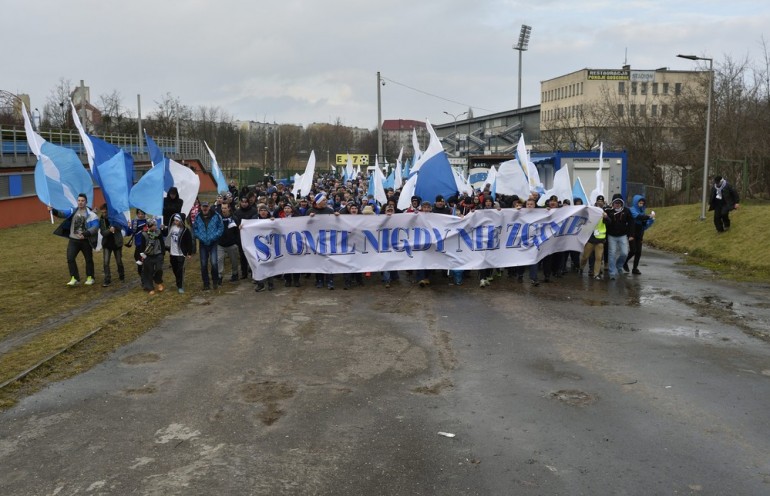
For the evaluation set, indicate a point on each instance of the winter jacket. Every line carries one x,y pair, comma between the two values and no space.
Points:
185,243
642,221
209,229
619,223
110,240
92,224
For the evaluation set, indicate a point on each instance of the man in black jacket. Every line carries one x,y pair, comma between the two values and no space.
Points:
724,198
228,244
244,211
620,229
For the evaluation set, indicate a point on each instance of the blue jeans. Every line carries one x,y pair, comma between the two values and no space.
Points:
617,252
208,254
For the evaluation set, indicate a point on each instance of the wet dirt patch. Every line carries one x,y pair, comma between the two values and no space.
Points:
724,312
141,358
270,394
574,397
548,368
435,388
446,355
147,389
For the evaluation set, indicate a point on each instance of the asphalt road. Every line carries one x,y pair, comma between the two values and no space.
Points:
651,384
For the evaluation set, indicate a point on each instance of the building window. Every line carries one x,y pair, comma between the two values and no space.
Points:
678,88
632,110
665,88
621,87
644,88
620,110
663,110
654,111
633,88
654,88
642,110
676,110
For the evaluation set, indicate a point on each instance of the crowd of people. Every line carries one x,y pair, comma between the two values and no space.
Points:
212,230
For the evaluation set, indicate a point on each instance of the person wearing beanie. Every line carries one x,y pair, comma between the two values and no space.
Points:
620,230
208,228
152,258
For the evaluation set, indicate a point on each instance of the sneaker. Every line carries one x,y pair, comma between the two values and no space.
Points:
331,285
260,287
206,288
625,268
73,282
319,284
534,282
234,278
89,281
387,285
612,278
598,277
105,284
636,272
180,290
424,282
152,292
483,283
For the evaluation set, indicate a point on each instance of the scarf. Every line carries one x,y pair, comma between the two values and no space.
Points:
719,188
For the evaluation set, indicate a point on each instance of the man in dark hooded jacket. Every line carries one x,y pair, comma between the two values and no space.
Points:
172,204
620,230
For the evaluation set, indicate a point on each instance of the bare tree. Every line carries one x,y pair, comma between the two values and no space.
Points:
57,108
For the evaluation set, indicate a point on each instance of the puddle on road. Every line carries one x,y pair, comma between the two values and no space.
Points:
687,332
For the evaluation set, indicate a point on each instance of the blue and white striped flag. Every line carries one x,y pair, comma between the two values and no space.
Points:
59,175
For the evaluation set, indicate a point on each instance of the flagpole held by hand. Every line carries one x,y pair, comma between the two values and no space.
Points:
50,212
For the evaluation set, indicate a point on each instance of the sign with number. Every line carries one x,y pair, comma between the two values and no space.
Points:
356,159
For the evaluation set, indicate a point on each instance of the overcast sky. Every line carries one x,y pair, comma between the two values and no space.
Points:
304,61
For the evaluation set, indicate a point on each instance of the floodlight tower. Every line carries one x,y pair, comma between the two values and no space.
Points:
521,46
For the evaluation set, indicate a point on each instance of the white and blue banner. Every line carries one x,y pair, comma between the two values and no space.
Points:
368,243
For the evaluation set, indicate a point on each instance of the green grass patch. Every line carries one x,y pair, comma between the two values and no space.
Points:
739,253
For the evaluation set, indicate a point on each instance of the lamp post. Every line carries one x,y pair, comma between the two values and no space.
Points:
708,131
522,46
455,117
380,83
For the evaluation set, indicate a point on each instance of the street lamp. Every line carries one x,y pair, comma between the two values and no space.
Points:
455,117
708,131
522,46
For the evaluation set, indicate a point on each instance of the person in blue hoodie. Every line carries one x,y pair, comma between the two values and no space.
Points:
642,222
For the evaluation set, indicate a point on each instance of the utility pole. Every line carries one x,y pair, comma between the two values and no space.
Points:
139,122
380,82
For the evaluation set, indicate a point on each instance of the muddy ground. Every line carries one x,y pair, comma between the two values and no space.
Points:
652,384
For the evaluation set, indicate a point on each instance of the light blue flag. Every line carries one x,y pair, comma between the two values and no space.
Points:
390,181
147,193
406,168
60,177
114,179
435,176
219,177
579,192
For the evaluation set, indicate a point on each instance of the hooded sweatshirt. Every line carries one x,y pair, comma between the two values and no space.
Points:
642,221
619,221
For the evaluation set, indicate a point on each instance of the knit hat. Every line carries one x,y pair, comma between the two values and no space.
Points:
319,197
368,210
176,217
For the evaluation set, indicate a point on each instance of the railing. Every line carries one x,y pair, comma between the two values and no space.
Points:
15,153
